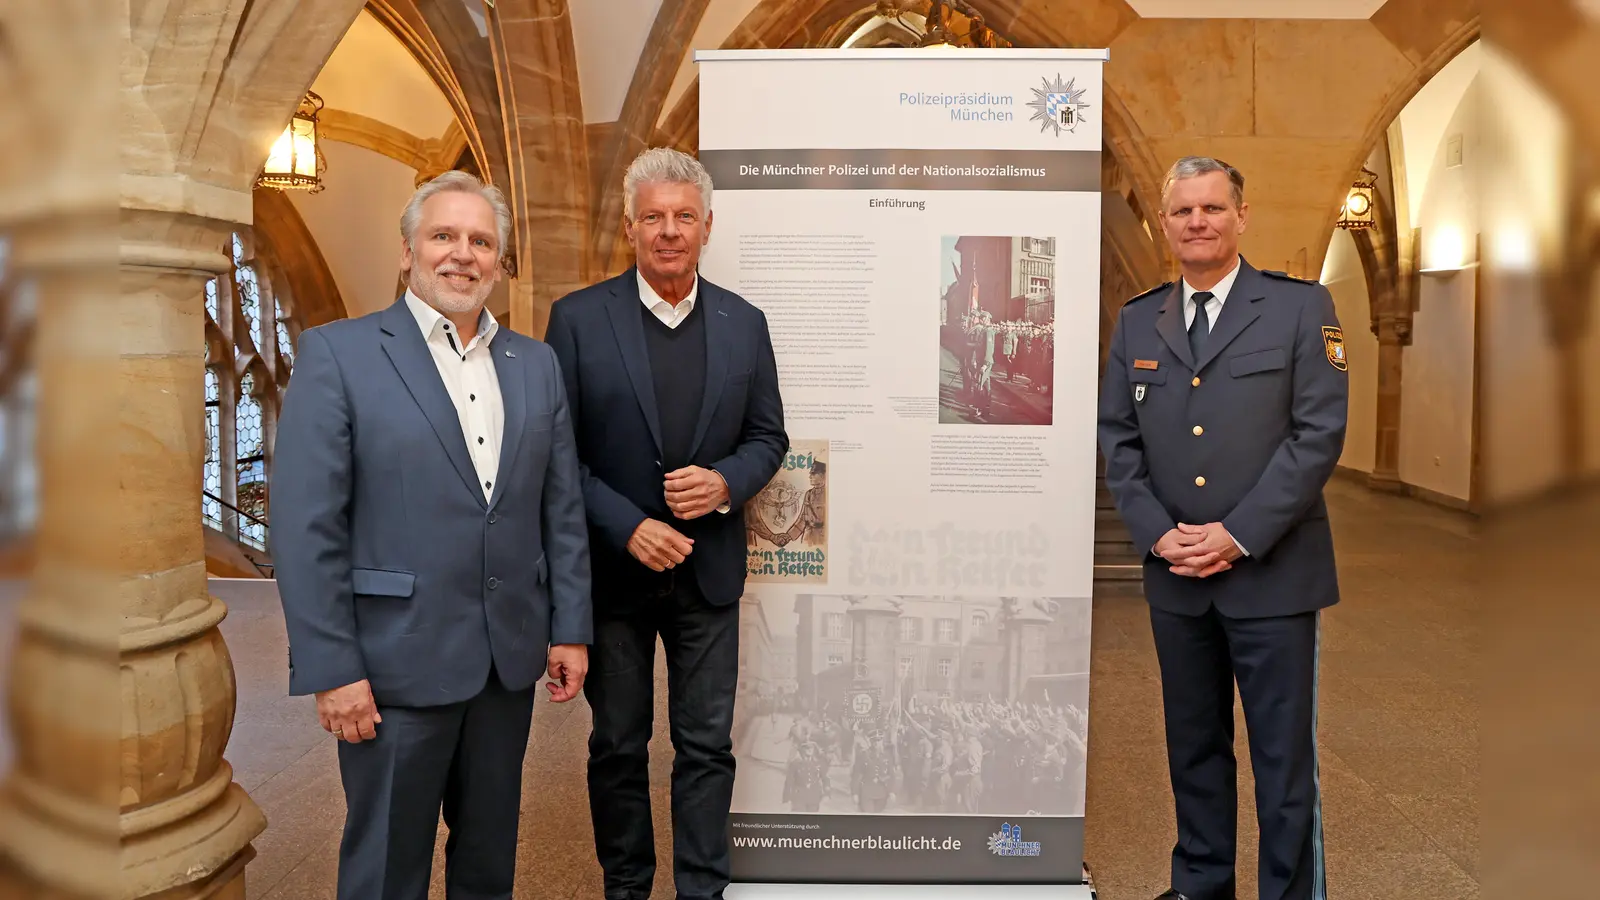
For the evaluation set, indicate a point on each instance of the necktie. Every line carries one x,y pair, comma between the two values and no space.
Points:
1200,328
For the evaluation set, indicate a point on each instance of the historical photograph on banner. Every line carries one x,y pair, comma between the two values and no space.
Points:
786,525
911,705
997,330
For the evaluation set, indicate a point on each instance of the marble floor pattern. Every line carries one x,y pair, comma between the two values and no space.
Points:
1398,738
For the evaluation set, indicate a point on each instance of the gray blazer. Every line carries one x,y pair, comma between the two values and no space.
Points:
390,565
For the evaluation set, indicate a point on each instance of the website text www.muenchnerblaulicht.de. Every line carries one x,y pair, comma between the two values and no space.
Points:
871,842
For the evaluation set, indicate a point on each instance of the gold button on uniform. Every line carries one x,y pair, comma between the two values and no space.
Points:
1196,381
1200,481
1199,431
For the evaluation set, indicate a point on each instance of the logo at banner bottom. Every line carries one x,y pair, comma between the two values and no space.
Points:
1008,842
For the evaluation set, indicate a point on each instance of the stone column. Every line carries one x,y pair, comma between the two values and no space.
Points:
536,65
1394,335
185,824
58,822
122,691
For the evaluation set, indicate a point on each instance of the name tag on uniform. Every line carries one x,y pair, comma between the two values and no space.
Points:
1145,364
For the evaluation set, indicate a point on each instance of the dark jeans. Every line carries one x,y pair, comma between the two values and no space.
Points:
1275,663
464,758
702,644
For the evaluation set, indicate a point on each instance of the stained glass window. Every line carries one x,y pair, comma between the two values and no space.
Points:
252,467
285,346
250,302
18,395
211,500
254,329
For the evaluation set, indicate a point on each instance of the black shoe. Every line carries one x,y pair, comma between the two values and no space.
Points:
1172,895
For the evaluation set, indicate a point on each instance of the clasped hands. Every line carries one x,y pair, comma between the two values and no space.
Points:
1198,551
691,492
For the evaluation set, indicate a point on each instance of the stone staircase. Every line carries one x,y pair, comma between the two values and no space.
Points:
1117,563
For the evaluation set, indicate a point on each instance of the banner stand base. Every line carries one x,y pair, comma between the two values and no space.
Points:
1083,891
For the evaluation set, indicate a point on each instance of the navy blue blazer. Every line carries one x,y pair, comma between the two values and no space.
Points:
1247,435
390,564
598,334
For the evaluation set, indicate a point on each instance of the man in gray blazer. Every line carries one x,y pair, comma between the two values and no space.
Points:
432,554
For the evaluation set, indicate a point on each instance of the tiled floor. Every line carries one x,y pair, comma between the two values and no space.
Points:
1398,738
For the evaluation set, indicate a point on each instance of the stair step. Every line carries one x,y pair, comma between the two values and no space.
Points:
1104,589
1118,572
1111,531
1107,518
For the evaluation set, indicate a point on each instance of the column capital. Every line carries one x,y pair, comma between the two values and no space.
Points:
1392,327
173,223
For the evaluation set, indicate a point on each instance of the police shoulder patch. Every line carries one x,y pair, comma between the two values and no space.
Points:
1285,276
1333,342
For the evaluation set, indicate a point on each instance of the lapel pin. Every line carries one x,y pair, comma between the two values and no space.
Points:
511,355
1138,393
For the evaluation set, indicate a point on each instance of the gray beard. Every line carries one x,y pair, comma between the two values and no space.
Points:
447,302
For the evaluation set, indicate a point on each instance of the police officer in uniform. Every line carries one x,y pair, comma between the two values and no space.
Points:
1222,415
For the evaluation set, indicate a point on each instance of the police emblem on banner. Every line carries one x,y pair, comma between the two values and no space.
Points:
1058,105
1009,842
1333,341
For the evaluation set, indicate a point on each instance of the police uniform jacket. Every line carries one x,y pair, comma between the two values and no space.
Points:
1246,435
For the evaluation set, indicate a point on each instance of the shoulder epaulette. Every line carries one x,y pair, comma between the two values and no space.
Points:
1152,292
1285,276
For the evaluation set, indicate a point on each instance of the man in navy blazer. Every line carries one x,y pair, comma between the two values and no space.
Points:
1222,416
432,560
674,393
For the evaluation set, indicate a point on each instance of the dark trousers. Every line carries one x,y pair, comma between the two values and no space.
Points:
465,758
1275,663
702,646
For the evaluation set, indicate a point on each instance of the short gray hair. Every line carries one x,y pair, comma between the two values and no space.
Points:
466,183
1191,166
664,165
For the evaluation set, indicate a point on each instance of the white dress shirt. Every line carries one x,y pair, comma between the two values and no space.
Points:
470,379
670,316
1219,296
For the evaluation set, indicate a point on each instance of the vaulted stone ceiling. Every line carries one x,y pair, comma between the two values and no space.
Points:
1298,100
1249,80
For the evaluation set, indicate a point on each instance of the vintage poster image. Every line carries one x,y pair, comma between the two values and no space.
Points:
786,525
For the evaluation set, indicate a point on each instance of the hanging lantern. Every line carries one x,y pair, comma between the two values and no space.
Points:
296,162
1358,211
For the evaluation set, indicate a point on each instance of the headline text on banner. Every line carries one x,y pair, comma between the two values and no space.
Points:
917,170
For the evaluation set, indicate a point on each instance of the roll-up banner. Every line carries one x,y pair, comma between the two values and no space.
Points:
922,230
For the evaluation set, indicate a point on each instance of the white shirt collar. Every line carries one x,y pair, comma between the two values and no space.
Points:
1221,289
432,322
666,311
